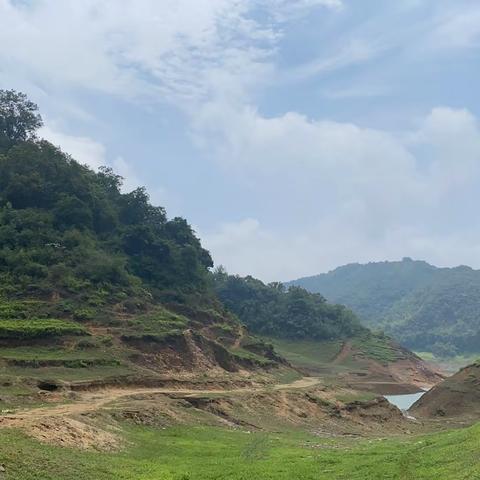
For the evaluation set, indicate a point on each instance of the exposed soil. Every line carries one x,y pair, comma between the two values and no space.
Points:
457,396
408,374
92,401
59,424
342,355
71,432
88,422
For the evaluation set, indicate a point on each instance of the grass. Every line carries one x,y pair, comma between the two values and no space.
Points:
307,354
50,353
243,354
70,374
208,453
356,397
38,328
285,375
158,322
376,348
12,309
318,356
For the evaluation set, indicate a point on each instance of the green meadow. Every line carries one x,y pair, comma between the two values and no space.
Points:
207,453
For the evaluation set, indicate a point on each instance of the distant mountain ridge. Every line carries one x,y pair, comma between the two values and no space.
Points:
422,306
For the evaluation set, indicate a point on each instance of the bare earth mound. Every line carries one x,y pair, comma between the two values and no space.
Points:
456,396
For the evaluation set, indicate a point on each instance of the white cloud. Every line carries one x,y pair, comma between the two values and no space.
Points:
364,194
458,29
351,52
362,91
450,143
83,149
127,171
174,49
283,10
179,51
359,193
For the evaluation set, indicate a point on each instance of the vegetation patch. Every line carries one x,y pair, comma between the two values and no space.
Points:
290,313
308,354
243,354
423,307
376,347
38,328
15,309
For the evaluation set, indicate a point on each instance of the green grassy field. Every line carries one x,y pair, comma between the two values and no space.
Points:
307,354
376,348
316,356
201,453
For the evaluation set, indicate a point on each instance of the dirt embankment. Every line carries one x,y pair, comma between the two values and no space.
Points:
401,377
65,424
90,421
456,396
408,373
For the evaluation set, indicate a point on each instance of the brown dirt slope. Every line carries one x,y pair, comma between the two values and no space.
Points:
407,373
94,418
457,396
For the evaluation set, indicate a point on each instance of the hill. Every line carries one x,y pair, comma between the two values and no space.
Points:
322,338
423,307
97,283
98,286
456,396
287,313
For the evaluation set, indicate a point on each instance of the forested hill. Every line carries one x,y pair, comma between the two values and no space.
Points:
284,313
422,306
318,336
85,265
65,227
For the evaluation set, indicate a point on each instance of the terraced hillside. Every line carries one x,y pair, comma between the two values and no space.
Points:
99,284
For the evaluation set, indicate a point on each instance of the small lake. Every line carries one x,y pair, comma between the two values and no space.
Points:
404,402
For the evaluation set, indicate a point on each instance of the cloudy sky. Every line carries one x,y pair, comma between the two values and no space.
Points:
295,135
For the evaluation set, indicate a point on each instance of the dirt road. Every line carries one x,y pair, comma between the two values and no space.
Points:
93,401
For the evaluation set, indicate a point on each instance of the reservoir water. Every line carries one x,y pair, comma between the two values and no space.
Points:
404,402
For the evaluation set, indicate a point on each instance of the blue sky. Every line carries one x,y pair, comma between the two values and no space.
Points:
295,136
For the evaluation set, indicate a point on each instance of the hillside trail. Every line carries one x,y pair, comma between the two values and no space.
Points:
343,353
93,401
239,339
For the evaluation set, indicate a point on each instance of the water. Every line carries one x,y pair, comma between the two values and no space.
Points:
404,402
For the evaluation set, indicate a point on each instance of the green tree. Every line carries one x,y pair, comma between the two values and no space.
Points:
289,313
19,117
63,225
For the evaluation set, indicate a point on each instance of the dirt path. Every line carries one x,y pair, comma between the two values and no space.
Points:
239,339
93,401
343,353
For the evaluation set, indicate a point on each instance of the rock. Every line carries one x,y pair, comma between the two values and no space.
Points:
2,468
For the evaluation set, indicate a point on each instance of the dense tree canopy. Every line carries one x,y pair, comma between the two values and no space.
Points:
289,313
422,306
63,225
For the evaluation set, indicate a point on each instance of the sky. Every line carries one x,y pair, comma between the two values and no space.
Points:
294,135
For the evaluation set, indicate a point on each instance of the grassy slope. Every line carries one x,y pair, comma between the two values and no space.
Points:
317,356
202,453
